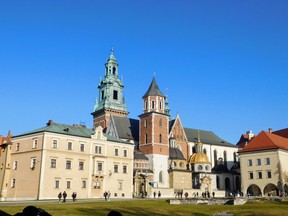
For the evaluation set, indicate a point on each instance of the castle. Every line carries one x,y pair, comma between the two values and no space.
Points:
128,157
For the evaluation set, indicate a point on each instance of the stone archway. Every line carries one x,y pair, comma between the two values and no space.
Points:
271,190
205,184
253,190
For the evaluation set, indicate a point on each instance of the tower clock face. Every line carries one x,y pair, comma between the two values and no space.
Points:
207,167
200,167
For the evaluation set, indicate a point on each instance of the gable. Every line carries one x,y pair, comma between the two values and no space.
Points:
266,141
177,131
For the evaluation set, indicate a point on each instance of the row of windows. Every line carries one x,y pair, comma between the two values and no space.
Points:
258,162
259,175
97,149
153,105
68,165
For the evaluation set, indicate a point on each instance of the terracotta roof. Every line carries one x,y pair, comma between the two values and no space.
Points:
266,141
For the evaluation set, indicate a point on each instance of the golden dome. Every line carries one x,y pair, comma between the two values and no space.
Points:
199,158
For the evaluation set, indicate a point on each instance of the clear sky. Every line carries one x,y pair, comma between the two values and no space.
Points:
223,63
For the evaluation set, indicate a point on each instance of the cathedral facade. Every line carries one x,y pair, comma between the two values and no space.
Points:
153,155
169,158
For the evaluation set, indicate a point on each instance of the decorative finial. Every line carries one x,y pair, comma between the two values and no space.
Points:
198,136
154,74
112,50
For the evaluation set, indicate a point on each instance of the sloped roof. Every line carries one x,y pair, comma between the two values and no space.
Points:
175,153
244,139
72,130
153,89
266,141
206,137
139,155
282,132
127,128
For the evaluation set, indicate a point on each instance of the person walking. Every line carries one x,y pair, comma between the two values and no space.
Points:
105,195
64,196
154,194
59,196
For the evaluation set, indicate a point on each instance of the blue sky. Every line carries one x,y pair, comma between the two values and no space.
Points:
222,63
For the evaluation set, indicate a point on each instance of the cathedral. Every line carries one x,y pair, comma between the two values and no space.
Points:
151,155
168,157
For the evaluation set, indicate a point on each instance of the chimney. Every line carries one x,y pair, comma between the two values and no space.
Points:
50,122
270,130
250,135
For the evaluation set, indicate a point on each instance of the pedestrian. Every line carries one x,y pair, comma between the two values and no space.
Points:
59,196
64,196
105,195
154,194
159,194
213,194
74,196
109,194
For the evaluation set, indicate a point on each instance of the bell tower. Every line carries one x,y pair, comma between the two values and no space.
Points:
154,133
110,100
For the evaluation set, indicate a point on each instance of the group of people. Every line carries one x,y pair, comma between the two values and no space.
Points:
107,195
159,194
64,195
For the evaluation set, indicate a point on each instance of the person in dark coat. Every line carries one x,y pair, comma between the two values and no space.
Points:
64,196
59,196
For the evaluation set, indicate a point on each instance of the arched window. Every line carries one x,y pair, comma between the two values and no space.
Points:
227,184
225,158
146,138
204,151
215,157
235,157
218,182
160,176
160,138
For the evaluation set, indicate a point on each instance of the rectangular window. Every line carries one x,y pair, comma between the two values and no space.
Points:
82,147
259,175
125,153
69,145
115,95
249,162
35,142
115,168
250,175
102,95
68,184
116,152
98,149
57,184
258,162
81,165
100,167
120,185
269,175
68,164
96,185
15,164
17,147
54,144
124,169
153,104
13,183
267,160
53,163
83,184
33,163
